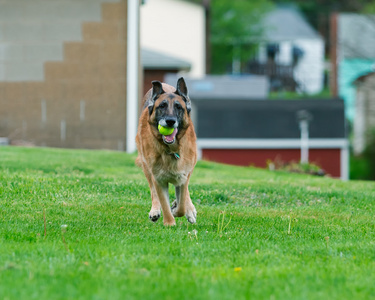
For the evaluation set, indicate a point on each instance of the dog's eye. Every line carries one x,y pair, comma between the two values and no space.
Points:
163,105
178,106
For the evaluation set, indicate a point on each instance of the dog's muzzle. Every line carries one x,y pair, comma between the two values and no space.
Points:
170,123
170,139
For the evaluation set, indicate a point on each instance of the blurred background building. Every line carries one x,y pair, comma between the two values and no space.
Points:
291,52
72,73
175,28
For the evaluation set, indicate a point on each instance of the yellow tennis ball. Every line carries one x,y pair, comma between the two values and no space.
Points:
165,130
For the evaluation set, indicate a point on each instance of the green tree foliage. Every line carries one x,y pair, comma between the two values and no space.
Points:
235,29
369,8
369,152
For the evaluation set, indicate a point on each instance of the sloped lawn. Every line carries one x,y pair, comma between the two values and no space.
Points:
259,235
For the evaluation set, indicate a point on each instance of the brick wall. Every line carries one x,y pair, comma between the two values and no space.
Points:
77,100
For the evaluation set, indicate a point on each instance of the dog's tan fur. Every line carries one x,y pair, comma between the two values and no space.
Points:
161,167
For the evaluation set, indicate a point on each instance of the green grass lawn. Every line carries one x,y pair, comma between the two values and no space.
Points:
287,236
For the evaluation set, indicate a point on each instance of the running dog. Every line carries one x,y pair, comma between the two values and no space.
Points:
167,158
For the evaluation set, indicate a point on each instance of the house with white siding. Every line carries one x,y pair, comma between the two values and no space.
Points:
364,118
175,28
354,51
291,46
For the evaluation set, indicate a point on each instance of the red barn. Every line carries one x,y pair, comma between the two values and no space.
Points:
252,132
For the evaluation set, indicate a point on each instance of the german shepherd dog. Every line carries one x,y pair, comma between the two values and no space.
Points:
167,158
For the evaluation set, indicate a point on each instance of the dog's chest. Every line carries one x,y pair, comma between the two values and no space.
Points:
168,169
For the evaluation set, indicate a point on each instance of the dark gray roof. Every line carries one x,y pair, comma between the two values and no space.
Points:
155,60
224,87
268,119
287,23
356,36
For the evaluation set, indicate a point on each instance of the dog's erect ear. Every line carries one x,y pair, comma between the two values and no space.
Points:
181,88
182,91
157,90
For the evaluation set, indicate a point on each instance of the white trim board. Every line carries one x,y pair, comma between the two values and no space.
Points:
270,143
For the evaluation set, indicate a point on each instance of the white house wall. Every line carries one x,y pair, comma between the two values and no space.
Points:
285,55
310,70
176,28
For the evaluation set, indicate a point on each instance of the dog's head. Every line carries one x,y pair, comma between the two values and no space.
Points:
169,109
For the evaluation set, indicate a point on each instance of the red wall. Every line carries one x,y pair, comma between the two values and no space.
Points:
150,75
327,159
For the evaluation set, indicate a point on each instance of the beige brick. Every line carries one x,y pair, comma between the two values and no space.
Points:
122,31
2,88
54,91
34,90
92,91
81,52
113,52
63,71
72,90
53,70
34,113
72,51
112,70
90,71
71,110
113,90
14,91
83,90
105,31
72,71
114,11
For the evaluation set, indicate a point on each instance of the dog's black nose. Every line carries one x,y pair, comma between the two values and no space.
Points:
170,122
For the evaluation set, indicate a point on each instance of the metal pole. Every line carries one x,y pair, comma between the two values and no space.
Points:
132,75
304,126
304,117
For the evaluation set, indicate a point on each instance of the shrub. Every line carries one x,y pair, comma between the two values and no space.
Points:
369,153
296,167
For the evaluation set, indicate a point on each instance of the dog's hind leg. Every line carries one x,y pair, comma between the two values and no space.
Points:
183,206
190,212
177,201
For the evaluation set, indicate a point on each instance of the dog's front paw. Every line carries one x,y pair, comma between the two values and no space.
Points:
191,215
170,222
154,215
